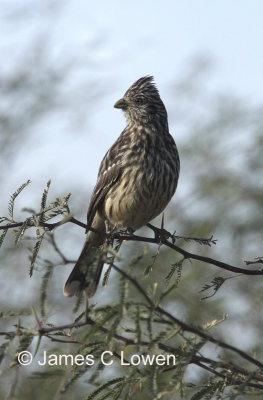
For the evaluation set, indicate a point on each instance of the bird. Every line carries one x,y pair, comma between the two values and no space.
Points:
136,180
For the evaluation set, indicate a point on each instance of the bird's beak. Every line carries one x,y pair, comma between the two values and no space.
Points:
121,104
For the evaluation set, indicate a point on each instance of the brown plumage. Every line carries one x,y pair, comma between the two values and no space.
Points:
137,178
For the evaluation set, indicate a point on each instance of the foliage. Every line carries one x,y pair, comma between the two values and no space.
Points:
132,330
151,300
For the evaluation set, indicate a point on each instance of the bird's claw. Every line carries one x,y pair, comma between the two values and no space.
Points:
127,231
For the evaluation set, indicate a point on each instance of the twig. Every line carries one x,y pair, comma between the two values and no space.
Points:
188,255
51,226
55,246
11,392
185,326
35,317
157,240
257,260
161,232
229,380
59,394
199,360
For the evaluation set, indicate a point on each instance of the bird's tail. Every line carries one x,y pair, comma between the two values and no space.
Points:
87,271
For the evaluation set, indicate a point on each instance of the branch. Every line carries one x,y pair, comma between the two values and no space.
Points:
50,227
257,260
160,238
185,326
198,360
46,330
228,379
187,254
14,383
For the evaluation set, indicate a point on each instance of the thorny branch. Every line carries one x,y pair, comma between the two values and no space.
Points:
196,359
257,260
183,325
161,237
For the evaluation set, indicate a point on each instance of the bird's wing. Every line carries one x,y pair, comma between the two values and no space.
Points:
109,173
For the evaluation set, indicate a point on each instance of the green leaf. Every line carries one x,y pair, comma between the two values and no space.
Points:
11,313
101,323
176,267
20,232
205,393
216,284
44,288
43,203
106,275
2,236
78,373
104,386
79,300
25,340
149,268
152,380
138,327
3,350
113,329
13,197
34,255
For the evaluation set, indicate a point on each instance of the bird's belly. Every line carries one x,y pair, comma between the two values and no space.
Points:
132,213
134,205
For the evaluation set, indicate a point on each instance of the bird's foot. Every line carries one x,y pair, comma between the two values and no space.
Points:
130,231
110,233
126,231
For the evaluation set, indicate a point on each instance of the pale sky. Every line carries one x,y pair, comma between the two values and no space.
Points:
113,43
128,40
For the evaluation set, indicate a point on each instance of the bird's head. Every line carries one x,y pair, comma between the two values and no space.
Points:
142,103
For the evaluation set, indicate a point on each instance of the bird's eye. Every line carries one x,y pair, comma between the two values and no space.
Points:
139,101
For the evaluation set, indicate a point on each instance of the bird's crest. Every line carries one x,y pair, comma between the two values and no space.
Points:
143,85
